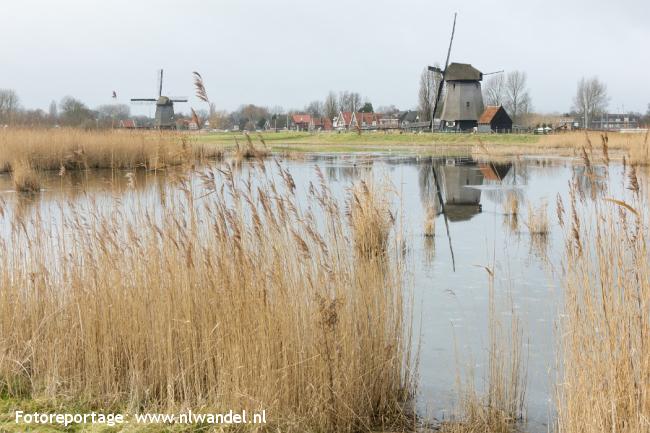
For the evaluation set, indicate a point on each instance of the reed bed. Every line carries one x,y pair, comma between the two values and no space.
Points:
576,139
604,383
249,150
51,149
511,212
25,179
370,215
537,220
234,298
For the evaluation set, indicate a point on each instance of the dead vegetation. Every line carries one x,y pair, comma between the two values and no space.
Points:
537,220
24,177
239,301
73,149
371,217
249,150
605,348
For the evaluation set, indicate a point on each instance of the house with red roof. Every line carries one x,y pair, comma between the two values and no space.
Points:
301,122
343,120
321,124
128,124
347,120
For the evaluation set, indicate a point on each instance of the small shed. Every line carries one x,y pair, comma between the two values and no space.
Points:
494,119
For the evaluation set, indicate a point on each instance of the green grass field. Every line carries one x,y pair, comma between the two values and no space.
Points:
366,141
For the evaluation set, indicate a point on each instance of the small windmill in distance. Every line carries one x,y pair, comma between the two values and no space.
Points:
164,107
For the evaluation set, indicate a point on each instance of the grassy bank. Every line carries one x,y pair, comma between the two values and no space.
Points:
334,140
564,144
236,300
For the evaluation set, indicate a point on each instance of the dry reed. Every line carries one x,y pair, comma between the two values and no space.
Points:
537,220
236,299
51,149
24,177
604,382
371,218
249,150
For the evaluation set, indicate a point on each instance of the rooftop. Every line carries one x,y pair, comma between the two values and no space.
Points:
462,72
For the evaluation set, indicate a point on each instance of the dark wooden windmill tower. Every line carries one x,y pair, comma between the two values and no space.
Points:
463,100
164,107
463,103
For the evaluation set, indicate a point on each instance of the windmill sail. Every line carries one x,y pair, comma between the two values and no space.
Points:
443,72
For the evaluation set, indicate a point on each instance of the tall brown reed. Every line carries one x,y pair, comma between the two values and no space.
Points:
51,149
371,218
238,298
24,177
604,382
537,220
249,150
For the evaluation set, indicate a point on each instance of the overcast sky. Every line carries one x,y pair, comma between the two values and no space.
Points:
281,52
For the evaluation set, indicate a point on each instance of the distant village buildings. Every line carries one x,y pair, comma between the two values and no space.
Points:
616,122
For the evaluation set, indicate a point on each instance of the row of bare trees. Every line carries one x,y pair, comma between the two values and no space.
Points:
511,91
591,99
333,103
68,112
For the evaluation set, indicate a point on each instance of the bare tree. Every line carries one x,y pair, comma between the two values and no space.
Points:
494,90
109,114
220,120
425,94
388,110
9,105
331,106
315,108
349,101
76,113
517,99
429,84
591,99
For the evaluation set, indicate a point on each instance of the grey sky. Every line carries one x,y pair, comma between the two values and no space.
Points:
288,53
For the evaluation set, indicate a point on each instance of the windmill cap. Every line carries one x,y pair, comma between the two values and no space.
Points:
462,72
163,100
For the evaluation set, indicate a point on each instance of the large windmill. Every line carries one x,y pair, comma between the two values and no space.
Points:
164,106
463,103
